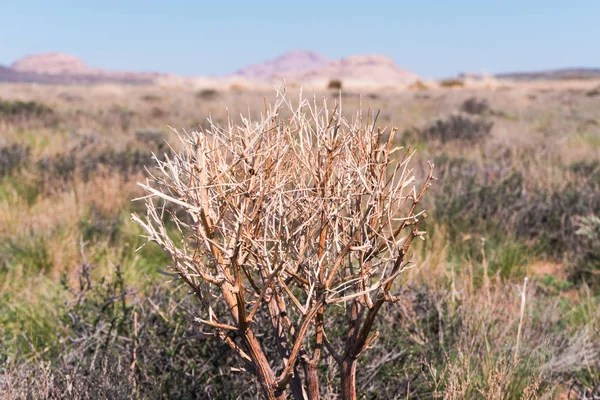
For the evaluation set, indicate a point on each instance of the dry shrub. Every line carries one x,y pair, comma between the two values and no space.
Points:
238,88
334,84
452,83
207,94
294,219
418,85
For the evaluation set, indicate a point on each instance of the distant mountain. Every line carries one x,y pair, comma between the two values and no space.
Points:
361,69
557,74
10,75
289,63
60,68
52,64
302,67
309,66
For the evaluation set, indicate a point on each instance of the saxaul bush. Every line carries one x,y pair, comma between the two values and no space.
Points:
292,218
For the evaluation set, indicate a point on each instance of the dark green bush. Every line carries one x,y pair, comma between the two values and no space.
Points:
154,140
13,157
97,225
23,109
63,167
453,128
117,343
586,266
547,217
475,106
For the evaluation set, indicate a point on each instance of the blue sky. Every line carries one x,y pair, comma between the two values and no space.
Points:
432,38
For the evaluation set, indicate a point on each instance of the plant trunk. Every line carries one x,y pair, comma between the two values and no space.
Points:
312,382
263,370
348,370
296,385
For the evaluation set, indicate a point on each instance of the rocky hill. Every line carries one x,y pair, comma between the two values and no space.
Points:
364,70
292,62
58,68
52,64
313,68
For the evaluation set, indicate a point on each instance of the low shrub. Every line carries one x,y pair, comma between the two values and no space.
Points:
122,115
96,225
207,94
23,109
453,128
151,98
547,217
475,106
63,167
593,92
492,201
154,140
586,266
117,342
418,85
13,157
334,84
158,112
452,83
587,171
28,251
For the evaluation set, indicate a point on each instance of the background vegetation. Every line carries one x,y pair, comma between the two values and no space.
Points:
83,315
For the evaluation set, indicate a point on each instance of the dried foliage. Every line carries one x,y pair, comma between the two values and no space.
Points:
452,83
334,84
295,218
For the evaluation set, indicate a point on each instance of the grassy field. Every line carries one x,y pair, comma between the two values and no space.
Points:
517,196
